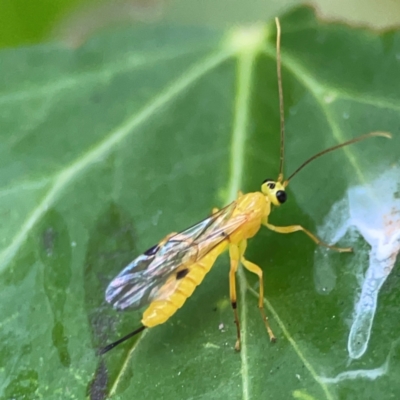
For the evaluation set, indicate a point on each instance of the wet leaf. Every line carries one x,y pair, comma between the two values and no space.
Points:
107,148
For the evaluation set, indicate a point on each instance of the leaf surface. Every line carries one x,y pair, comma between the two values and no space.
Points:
107,148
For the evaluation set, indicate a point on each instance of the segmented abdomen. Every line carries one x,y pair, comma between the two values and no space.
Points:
185,282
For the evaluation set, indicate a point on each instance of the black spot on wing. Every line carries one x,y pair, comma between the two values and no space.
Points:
182,273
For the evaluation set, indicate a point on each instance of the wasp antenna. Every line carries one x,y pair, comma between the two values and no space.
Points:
338,146
281,107
119,341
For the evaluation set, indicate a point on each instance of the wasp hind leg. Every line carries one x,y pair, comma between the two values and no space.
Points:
255,269
234,255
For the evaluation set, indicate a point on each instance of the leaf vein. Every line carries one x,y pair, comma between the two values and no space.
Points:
296,348
104,74
104,147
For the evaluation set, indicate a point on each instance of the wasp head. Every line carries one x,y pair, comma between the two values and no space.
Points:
275,191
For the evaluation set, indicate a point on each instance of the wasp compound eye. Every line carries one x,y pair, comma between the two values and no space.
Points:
281,196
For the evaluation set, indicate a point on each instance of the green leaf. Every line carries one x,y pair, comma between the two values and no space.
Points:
140,132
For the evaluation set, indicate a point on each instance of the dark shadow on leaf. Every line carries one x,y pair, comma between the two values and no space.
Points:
110,248
55,253
97,388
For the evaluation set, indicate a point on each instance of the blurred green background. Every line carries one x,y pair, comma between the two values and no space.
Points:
24,22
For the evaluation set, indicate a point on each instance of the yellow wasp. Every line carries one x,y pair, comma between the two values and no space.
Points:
165,275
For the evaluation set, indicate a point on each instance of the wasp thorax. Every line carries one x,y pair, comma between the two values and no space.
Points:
275,191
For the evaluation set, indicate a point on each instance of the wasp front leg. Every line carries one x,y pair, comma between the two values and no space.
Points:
296,228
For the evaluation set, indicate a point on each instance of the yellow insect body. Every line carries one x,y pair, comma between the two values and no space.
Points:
163,307
164,276
172,296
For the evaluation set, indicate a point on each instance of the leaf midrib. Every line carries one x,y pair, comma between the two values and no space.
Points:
106,146
104,72
240,128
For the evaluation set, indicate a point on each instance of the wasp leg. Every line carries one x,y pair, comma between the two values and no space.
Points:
255,269
296,228
235,257
214,210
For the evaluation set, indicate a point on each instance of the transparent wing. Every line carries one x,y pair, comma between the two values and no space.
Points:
138,283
